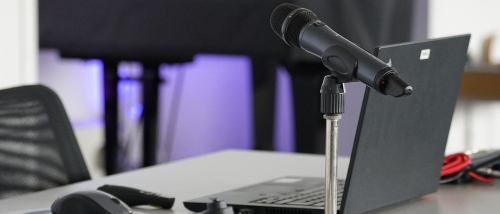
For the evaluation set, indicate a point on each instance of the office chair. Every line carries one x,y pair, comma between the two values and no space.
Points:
38,149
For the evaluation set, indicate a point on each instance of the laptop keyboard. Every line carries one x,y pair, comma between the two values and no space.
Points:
309,197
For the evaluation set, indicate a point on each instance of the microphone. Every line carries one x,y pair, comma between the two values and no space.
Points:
299,27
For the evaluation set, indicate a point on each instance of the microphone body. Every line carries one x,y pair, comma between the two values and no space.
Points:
349,61
299,27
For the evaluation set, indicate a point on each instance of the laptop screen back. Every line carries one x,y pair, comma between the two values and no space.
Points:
400,142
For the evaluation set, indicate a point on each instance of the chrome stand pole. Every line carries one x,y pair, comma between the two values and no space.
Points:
332,127
332,105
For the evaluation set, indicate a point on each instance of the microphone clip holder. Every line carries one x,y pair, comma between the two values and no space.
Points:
341,62
332,105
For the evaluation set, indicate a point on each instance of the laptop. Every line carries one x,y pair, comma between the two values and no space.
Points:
399,144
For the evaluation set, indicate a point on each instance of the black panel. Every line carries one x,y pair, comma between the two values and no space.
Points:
400,144
158,30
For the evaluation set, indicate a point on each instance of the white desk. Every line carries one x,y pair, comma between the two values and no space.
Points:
196,177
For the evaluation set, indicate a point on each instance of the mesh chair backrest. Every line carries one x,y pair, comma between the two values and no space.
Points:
38,149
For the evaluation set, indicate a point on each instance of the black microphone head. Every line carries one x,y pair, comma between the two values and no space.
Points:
279,15
287,20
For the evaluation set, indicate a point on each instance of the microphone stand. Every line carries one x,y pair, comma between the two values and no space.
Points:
332,105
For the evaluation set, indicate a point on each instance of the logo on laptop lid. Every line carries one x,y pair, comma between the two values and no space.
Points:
425,54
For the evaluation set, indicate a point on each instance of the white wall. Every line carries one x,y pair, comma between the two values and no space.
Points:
478,17
18,42
475,123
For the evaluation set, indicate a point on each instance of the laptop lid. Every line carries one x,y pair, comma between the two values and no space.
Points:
400,142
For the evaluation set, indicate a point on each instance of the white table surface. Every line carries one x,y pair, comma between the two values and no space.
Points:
231,169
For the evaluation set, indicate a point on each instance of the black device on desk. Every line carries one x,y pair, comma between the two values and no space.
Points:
90,201
399,144
109,199
136,197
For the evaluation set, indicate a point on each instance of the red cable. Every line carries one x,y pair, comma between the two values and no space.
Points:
456,163
480,178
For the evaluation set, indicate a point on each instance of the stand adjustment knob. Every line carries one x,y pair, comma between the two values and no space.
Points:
332,96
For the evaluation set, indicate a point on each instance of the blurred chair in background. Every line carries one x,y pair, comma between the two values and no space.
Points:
38,149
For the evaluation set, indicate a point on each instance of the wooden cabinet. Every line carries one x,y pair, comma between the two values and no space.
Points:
481,84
